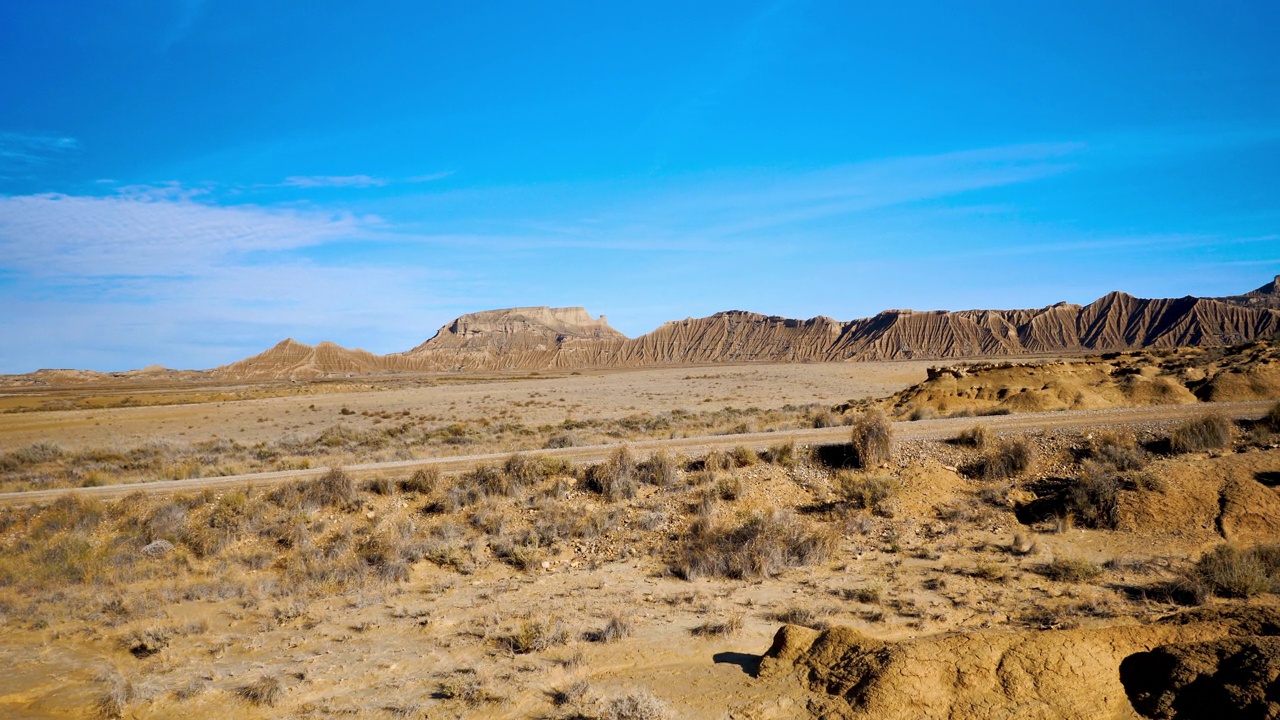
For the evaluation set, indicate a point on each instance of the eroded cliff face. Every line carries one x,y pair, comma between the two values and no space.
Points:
567,338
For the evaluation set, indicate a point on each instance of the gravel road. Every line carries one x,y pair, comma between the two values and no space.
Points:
919,430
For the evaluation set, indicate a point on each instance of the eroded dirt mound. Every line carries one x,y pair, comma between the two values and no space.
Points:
1244,372
1034,674
1238,678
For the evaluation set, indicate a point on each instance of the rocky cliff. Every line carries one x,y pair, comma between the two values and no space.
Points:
541,337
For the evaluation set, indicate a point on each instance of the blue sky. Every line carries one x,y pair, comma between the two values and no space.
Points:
187,182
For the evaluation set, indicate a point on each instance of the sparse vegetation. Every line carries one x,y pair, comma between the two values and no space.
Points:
636,705
1210,432
866,491
974,437
1009,459
265,691
1070,570
616,478
1230,571
659,469
762,545
872,438
721,627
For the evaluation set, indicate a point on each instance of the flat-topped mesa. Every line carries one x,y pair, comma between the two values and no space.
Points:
517,329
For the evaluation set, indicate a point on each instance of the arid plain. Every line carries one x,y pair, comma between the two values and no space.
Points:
560,525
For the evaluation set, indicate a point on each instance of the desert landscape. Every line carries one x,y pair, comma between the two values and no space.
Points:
1061,534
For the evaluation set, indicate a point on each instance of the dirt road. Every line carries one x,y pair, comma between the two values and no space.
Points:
919,430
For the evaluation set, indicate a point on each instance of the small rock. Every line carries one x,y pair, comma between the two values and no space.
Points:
156,549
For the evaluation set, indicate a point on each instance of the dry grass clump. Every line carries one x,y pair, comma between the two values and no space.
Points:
744,456
722,627
574,692
1120,451
863,491
423,481
1009,459
468,687
334,489
761,545
616,478
265,691
803,615
728,487
872,438
783,454
1229,571
1271,420
1211,432
535,635
659,469
114,698
618,627
636,705
974,437
1093,497
1070,570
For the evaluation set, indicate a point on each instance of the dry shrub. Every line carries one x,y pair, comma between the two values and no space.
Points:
974,437
574,692
869,492
1093,497
423,481
659,469
872,438
1211,432
266,690
803,615
486,480
467,687
114,698
1272,419
744,456
562,440
824,418
1120,451
522,552
716,461
783,454
618,627
525,470
1229,571
762,545
724,627
1008,460
616,478
636,705
1070,570
535,636
728,487
380,486
333,489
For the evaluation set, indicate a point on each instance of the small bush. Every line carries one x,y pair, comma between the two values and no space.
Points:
380,486
617,628
1118,451
762,545
782,454
1272,419
1228,571
718,628
659,469
423,481
574,692
872,437
333,489
1093,498
974,437
744,456
535,636
636,705
266,690
1010,459
728,487
716,461
562,440
616,478
869,492
1067,570
1211,432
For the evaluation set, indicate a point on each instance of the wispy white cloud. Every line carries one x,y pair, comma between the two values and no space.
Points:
354,181
24,150
152,231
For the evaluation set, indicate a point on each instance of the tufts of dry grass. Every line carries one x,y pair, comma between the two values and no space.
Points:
1008,460
1120,451
616,478
761,545
534,635
1070,570
1093,497
1211,432
974,437
636,705
265,691
872,438
423,481
1229,571
721,627
866,491
659,469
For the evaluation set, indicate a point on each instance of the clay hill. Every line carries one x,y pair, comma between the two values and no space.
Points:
567,338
